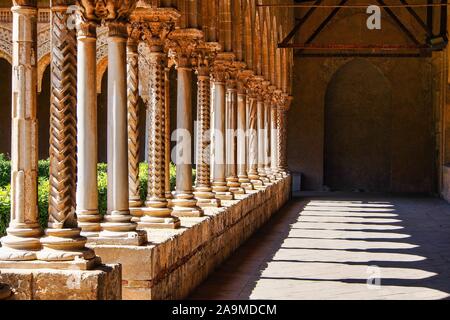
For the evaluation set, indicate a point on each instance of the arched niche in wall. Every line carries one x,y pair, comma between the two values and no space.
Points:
358,129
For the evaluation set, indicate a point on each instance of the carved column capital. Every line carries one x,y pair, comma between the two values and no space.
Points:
256,87
243,77
226,68
284,103
204,58
182,44
153,25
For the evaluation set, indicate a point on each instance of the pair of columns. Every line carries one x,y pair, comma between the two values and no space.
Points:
65,237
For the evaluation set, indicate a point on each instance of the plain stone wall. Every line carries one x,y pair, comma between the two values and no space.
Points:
175,262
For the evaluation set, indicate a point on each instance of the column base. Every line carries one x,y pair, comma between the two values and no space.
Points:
64,245
184,205
21,244
89,223
158,216
136,210
234,186
206,198
158,223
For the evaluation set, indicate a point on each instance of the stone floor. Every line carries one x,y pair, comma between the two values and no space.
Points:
338,246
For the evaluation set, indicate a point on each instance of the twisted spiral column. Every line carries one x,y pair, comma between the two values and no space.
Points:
157,214
63,241
274,141
203,189
282,140
135,202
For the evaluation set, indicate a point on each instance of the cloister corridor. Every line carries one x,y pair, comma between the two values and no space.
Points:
328,246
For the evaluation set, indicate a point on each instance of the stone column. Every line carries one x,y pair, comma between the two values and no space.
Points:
253,143
87,190
242,137
267,141
203,188
220,76
23,233
117,222
231,138
183,43
157,212
261,114
283,109
63,241
135,202
274,141
167,136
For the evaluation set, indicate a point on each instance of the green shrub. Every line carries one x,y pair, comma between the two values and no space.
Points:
44,187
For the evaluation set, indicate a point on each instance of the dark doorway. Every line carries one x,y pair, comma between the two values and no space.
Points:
358,129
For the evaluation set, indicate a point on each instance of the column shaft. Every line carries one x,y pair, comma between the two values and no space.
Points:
117,222
242,141
274,141
157,213
219,178
261,114
24,231
167,134
184,203
203,188
282,140
135,202
253,143
231,139
87,189
63,241
267,140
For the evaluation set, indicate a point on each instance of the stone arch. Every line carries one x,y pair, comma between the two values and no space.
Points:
43,63
6,44
358,107
5,106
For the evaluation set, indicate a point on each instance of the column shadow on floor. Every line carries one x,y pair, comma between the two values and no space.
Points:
338,246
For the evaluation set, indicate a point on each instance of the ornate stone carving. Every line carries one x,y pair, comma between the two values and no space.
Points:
63,241
283,108
202,65
133,126
182,44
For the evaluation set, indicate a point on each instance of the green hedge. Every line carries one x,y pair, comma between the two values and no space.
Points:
43,189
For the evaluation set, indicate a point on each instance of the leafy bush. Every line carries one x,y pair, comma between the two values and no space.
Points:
44,187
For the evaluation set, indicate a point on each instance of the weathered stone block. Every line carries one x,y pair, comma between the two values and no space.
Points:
102,283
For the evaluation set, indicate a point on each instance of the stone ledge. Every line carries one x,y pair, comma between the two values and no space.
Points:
174,262
102,283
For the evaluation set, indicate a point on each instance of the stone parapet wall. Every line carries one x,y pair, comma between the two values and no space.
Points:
175,262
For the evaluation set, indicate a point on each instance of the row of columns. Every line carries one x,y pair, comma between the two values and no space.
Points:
249,136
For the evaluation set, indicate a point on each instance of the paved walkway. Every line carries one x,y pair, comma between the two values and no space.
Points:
343,247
